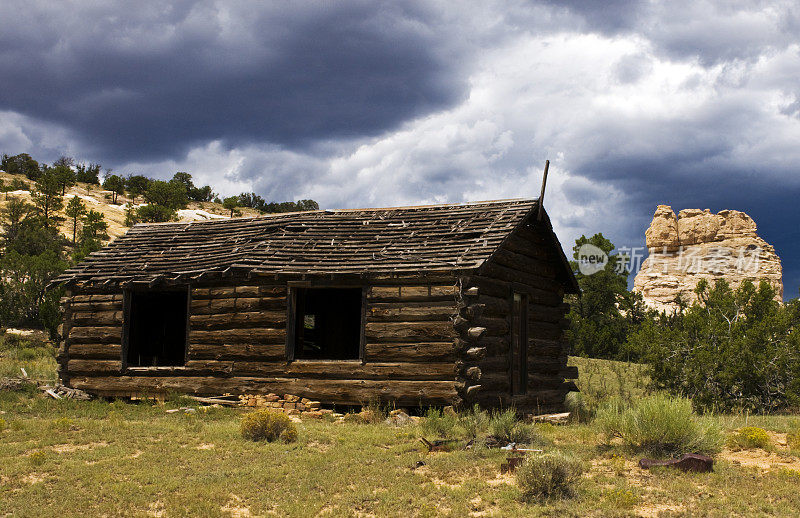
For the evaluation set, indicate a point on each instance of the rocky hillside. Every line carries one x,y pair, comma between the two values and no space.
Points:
99,200
697,244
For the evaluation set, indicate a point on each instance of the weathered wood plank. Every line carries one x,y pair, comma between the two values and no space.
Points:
98,351
337,369
240,304
254,351
348,392
97,318
255,335
97,298
409,331
411,293
251,291
94,367
97,306
518,276
95,334
246,319
410,352
399,312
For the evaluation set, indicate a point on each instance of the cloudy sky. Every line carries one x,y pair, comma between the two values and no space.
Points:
694,104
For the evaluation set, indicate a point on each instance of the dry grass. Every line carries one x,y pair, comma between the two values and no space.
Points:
68,458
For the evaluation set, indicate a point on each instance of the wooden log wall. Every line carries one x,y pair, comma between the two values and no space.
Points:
526,263
237,343
91,334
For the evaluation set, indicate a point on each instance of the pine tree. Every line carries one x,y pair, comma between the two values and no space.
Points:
74,210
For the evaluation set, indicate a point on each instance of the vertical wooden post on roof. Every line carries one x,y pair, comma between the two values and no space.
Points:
540,210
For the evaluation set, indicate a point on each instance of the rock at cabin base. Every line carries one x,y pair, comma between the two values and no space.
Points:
697,244
694,462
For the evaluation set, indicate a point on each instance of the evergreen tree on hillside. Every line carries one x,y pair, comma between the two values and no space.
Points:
47,196
88,174
65,176
232,203
21,164
31,257
74,210
115,184
137,185
163,200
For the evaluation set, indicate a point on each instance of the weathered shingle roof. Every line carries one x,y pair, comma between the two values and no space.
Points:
404,240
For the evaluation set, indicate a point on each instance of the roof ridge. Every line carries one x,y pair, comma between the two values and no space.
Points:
277,215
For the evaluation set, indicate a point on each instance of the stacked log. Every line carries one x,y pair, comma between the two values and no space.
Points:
523,264
237,343
91,334
237,323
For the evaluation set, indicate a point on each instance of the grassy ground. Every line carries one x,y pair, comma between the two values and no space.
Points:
71,458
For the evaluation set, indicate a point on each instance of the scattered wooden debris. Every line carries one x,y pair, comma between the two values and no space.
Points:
12,383
62,392
511,464
562,418
217,400
687,462
438,445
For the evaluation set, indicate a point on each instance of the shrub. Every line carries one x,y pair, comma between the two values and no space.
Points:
374,412
550,475
507,428
63,424
793,441
440,424
266,425
38,458
582,408
750,437
473,422
660,425
733,349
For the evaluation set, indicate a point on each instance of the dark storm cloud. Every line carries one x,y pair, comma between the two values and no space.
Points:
145,82
711,32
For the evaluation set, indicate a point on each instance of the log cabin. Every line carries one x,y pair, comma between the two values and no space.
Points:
414,306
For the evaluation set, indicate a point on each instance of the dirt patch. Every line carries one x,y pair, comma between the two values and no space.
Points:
329,510
477,508
206,446
439,483
71,448
657,510
34,478
156,509
136,454
236,508
761,459
502,478
620,467
778,439
319,446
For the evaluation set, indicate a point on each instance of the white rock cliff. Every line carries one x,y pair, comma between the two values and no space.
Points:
697,244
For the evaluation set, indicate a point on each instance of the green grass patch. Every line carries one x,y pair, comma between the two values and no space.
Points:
659,425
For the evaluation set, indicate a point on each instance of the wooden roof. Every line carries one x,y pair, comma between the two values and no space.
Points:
402,241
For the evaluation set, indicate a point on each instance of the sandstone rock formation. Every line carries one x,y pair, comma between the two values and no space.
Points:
697,244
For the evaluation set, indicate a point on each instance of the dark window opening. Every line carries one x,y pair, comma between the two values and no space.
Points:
519,345
157,328
327,323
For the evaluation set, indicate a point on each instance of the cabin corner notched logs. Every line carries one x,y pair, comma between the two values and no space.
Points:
437,310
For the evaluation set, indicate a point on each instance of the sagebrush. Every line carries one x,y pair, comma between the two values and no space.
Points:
550,475
268,425
661,425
